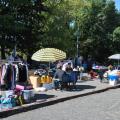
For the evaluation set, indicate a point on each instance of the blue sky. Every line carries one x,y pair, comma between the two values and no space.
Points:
117,4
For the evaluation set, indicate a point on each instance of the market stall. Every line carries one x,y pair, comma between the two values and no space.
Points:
46,55
14,87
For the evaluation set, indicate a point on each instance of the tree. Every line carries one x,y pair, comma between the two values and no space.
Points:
24,23
116,40
58,32
36,24
97,28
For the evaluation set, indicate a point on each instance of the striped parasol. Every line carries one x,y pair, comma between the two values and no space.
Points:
48,55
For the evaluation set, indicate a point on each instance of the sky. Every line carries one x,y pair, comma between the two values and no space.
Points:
117,4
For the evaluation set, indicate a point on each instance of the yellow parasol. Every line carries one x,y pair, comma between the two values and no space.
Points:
48,55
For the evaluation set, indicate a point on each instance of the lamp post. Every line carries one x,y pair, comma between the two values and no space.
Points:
77,34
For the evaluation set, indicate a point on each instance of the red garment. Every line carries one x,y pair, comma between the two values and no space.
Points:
93,74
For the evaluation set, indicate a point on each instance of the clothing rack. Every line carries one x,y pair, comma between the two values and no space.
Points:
13,72
14,62
7,61
2,61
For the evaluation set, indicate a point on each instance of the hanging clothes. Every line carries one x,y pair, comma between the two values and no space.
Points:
12,73
8,76
23,73
3,72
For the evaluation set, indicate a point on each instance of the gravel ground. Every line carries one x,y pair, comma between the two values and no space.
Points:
101,106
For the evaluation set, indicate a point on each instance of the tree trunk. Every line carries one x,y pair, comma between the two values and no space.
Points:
29,61
3,52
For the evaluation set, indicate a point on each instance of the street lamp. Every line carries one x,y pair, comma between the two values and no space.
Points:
77,34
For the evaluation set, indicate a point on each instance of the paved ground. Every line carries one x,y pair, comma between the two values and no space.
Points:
101,106
82,87
52,96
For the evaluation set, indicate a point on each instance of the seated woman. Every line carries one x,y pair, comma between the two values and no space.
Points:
69,68
72,75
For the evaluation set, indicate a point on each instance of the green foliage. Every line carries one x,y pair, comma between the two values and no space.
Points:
97,25
116,39
116,35
21,21
34,24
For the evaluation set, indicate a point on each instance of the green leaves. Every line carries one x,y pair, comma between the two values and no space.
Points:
45,23
21,21
116,35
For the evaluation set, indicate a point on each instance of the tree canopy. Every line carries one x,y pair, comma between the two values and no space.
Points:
36,24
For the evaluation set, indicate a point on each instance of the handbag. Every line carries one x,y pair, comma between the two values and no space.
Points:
20,100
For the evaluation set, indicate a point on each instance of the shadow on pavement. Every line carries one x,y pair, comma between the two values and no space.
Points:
82,87
82,81
43,96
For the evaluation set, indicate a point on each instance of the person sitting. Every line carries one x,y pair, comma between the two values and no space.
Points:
93,74
74,76
106,74
69,76
58,77
110,67
69,68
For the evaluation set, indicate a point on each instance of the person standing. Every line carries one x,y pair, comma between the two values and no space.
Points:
85,66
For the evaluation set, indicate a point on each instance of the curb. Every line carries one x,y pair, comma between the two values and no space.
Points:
35,105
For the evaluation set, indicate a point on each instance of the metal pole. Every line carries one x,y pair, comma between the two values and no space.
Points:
77,46
49,65
78,36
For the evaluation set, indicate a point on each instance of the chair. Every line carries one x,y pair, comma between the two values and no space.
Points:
65,81
73,78
69,78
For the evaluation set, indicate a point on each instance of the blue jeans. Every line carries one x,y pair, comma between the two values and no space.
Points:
57,83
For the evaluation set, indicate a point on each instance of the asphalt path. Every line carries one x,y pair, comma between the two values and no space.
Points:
101,106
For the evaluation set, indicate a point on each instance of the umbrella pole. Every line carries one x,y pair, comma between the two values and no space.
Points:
49,65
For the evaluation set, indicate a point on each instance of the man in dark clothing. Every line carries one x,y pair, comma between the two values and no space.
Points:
100,73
